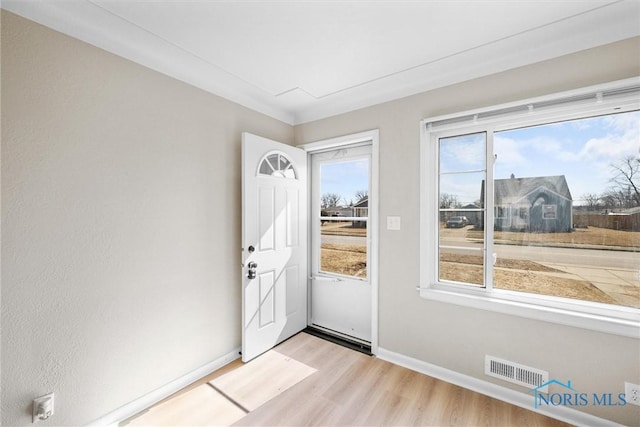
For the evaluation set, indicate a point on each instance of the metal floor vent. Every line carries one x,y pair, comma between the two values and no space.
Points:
515,373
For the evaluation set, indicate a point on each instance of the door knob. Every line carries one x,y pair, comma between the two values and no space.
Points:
251,274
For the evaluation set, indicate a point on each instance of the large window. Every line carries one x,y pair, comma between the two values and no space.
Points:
537,207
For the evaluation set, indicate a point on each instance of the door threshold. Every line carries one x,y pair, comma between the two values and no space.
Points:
339,339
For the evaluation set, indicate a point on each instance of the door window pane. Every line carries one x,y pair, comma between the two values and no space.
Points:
344,248
344,213
277,165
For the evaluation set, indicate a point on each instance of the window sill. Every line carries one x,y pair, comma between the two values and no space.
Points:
626,323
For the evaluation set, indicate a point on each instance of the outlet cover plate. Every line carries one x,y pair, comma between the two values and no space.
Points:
632,393
47,400
393,223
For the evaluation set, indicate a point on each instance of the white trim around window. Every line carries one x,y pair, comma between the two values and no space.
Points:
614,97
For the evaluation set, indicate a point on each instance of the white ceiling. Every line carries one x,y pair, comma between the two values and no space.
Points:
303,60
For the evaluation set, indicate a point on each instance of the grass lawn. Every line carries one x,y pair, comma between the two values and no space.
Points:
344,259
520,275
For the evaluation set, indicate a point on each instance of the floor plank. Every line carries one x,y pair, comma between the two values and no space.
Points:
352,389
200,406
262,379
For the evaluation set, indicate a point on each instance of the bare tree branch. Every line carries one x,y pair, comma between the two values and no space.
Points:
330,200
627,178
361,195
448,201
592,201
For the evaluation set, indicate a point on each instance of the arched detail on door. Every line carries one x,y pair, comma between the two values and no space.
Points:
277,164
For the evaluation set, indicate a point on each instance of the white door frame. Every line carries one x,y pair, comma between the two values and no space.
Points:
372,137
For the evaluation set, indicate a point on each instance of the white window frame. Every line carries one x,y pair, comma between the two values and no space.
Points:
614,97
552,209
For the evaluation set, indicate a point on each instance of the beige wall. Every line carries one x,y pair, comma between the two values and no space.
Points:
121,225
455,337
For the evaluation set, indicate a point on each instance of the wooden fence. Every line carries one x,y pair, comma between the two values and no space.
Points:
613,222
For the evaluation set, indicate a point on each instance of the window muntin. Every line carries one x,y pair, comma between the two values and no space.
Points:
277,165
535,208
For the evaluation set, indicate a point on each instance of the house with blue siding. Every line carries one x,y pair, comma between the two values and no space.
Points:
540,204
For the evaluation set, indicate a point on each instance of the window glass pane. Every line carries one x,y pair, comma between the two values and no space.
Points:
567,209
266,168
461,214
462,153
461,190
462,266
344,248
461,230
463,223
277,165
284,162
461,246
344,192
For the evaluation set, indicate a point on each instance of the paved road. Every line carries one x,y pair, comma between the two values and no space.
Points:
345,240
587,257
543,254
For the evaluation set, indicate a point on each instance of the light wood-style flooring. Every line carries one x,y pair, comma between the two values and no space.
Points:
348,388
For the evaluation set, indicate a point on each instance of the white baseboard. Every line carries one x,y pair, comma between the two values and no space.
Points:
523,400
130,409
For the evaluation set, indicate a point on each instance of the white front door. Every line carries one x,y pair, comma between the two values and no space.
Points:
274,243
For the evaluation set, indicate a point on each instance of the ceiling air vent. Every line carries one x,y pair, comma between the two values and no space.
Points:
515,373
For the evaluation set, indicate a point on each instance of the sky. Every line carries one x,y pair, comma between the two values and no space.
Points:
581,150
345,179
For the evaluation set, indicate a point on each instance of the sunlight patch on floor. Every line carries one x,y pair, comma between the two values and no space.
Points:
262,379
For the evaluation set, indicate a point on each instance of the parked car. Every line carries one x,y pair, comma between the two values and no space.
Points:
457,222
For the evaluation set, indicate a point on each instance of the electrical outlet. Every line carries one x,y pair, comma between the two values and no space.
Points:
632,393
42,408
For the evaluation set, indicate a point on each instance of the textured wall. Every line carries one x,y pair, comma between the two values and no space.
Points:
455,337
121,225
